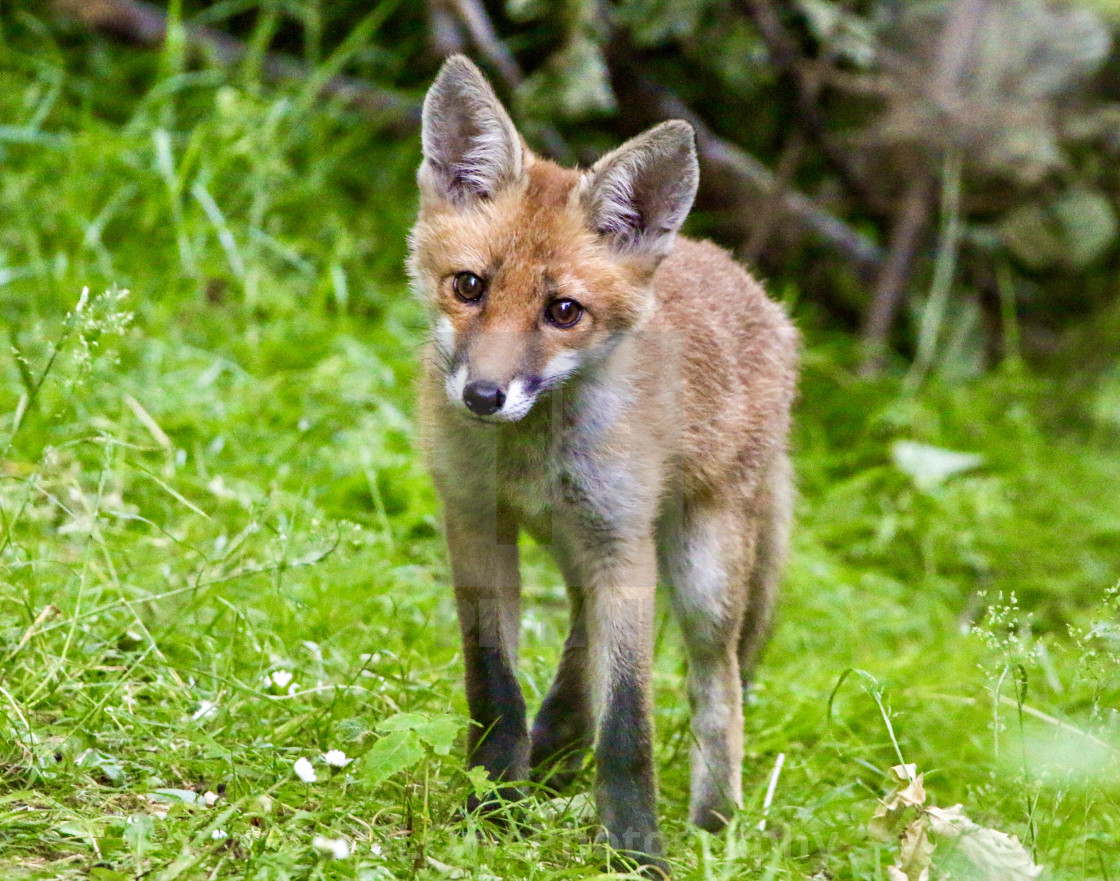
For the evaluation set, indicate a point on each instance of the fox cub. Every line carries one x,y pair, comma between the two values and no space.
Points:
622,394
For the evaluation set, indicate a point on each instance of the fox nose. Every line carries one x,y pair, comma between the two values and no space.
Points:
483,398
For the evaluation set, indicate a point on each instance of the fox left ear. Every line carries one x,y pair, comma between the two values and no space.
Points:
471,148
641,193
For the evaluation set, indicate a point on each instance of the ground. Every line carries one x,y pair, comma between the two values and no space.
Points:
219,553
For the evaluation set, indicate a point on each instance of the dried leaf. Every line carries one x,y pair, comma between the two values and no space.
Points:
904,773
915,850
884,823
998,856
909,792
949,822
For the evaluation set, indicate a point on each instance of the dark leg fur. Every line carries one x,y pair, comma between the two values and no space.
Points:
562,731
625,789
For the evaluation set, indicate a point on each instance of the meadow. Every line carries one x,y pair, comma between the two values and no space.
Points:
227,638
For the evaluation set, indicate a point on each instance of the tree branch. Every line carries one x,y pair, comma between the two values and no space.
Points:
906,234
786,56
734,176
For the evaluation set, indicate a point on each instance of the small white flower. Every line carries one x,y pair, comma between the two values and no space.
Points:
292,689
205,710
280,679
304,771
375,849
338,848
210,798
336,758
219,834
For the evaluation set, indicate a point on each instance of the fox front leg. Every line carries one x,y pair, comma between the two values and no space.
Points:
620,605
484,567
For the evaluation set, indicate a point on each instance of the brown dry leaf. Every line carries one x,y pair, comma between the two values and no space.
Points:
909,792
996,855
949,822
915,850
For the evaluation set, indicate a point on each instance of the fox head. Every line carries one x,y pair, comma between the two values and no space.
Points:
533,272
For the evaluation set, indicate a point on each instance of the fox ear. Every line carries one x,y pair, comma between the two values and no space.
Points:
471,148
641,193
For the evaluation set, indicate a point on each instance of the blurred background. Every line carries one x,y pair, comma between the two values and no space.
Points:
209,475
938,178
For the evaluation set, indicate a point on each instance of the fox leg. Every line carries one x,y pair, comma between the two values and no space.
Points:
619,615
707,563
487,580
776,505
563,729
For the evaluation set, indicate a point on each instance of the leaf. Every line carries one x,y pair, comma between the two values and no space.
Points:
572,84
930,466
915,850
437,731
176,796
402,722
107,765
480,780
909,792
440,733
395,751
138,833
846,34
949,822
1089,224
997,855
912,791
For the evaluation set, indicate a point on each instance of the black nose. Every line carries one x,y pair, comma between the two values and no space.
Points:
483,398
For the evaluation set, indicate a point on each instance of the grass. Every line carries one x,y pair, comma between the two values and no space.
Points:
212,480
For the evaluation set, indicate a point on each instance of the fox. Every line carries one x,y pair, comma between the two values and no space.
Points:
622,394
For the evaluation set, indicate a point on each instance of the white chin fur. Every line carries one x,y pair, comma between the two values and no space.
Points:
518,400
518,403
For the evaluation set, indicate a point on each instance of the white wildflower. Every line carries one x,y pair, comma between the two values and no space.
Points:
205,710
210,798
375,849
338,848
278,679
336,758
219,834
304,771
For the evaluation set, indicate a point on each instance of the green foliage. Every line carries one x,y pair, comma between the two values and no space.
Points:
219,553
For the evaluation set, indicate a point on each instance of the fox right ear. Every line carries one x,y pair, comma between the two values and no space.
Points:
639,195
471,148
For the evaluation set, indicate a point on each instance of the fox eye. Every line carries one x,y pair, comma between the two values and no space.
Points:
563,313
468,287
